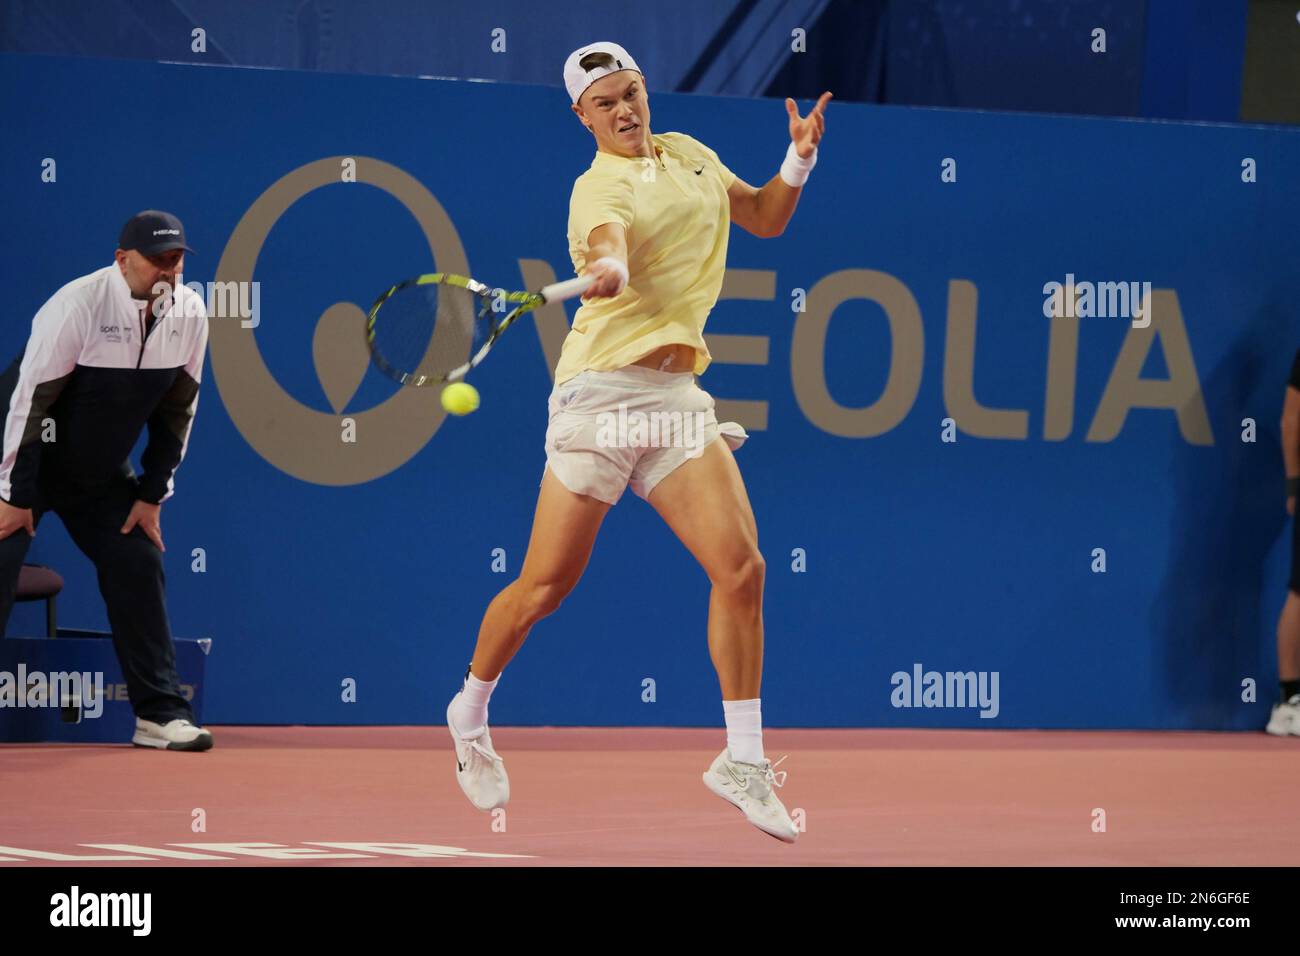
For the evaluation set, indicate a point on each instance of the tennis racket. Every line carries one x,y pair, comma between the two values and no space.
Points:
434,328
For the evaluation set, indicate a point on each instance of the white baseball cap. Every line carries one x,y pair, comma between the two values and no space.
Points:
576,79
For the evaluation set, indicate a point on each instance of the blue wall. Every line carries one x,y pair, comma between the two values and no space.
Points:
448,38
1195,51
973,555
1173,59
992,54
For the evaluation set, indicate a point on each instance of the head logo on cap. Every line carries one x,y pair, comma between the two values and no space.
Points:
589,63
151,232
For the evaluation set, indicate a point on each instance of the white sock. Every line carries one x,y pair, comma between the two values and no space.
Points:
744,729
469,711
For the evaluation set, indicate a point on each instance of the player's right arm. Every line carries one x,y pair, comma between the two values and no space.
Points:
58,333
607,247
1291,442
601,211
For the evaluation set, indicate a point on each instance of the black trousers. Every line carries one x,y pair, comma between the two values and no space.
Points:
132,583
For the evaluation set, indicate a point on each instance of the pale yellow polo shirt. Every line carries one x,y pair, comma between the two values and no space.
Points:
678,219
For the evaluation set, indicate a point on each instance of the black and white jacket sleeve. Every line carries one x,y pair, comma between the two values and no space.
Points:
59,334
169,425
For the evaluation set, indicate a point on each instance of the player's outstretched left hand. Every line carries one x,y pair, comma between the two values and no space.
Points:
806,132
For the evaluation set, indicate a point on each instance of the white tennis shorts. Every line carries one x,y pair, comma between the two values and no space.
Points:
631,426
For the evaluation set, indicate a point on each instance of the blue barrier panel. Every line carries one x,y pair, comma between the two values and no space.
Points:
346,580
94,708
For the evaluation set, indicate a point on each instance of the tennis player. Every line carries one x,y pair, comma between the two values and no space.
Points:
1284,720
650,221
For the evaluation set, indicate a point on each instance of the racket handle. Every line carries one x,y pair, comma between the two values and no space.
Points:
568,289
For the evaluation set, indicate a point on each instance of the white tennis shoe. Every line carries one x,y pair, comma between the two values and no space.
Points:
480,771
1285,719
176,734
752,788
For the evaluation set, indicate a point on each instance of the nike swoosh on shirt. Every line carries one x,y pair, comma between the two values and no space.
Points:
700,170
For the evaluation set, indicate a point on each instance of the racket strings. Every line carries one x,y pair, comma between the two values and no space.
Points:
431,329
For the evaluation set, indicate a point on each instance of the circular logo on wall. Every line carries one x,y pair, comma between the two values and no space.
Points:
303,441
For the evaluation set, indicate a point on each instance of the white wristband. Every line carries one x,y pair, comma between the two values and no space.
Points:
795,169
619,266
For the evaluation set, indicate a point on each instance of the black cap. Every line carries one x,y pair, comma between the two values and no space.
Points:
151,232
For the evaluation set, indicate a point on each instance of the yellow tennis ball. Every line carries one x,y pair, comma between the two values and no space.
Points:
460,398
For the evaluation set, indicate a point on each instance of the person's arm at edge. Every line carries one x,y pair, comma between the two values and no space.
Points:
51,354
1291,441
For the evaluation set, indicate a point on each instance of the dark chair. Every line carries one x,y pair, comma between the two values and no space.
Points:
38,583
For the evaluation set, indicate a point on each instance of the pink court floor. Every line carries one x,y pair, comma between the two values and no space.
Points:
386,796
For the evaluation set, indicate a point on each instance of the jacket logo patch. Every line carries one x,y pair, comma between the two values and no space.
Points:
111,333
